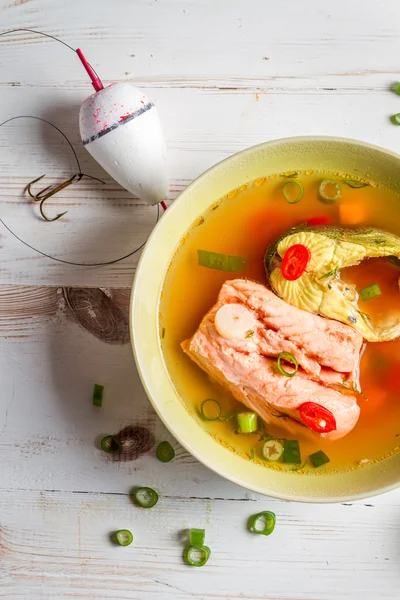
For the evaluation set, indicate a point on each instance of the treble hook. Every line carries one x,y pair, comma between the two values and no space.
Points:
42,196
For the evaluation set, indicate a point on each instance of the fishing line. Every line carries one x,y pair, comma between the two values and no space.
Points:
61,260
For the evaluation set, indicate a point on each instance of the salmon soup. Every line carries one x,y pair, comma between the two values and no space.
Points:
241,227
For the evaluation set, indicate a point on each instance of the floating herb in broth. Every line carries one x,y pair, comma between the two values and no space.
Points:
247,221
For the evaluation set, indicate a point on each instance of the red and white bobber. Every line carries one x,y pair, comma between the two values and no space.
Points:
120,128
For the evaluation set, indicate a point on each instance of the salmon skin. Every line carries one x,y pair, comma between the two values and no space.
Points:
238,346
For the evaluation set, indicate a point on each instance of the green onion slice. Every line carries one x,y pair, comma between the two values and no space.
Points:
124,537
319,458
289,358
220,262
165,452
369,292
394,261
354,183
196,556
98,394
329,191
272,450
396,88
197,537
247,422
262,523
111,444
291,452
146,497
210,410
396,119
292,191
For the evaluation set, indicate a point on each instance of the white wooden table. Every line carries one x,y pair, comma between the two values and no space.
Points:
225,74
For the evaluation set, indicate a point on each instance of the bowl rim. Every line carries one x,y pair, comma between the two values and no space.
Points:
135,346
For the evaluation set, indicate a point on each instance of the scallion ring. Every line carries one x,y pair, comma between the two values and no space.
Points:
197,537
210,410
329,191
111,444
165,452
262,523
248,422
196,556
124,537
272,450
146,497
290,358
98,394
292,191
370,291
396,119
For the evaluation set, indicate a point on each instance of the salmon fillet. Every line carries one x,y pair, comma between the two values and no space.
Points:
327,352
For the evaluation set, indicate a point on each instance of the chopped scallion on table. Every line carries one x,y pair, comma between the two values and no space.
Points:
98,394
292,191
319,458
396,119
210,410
111,444
146,497
370,291
291,452
124,537
262,523
220,262
247,422
396,88
196,556
165,452
287,356
197,537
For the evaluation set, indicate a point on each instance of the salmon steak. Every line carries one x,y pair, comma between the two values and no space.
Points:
240,339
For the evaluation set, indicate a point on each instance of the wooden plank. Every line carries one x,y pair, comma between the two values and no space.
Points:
57,545
204,42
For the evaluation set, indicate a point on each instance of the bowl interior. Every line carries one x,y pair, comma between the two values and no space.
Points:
325,154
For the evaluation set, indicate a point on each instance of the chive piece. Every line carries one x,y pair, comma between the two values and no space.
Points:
163,333
353,183
369,292
213,409
394,261
249,335
197,537
98,394
272,450
329,191
196,556
220,262
396,119
165,452
146,497
292,191
319,458
111,444
247,422
288,357
262,523
124,537
396,88
291,452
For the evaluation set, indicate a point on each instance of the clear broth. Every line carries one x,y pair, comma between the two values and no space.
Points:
244,223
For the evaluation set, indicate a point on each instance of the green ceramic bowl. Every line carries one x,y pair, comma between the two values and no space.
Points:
322,153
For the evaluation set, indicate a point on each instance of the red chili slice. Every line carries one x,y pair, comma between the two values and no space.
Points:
317,417
295,261
322,220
